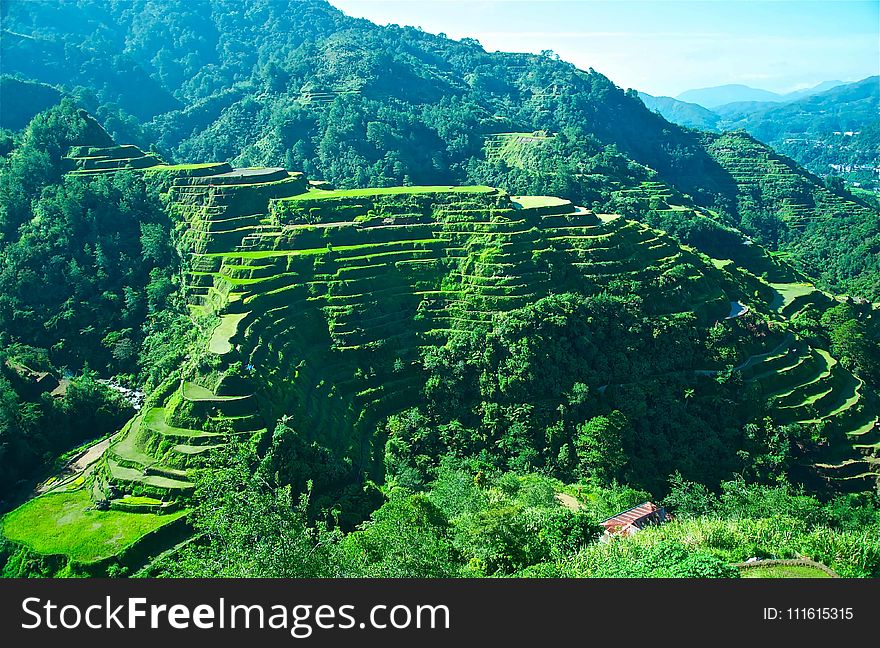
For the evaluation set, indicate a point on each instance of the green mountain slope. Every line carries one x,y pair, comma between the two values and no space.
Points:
830,132
22,100
691,115
848,107
829,235
340,311
361,105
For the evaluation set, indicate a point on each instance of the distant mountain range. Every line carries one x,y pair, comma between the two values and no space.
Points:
681,112
802,124
692,111
725,94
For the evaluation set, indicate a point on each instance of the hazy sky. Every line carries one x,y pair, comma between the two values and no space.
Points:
665,46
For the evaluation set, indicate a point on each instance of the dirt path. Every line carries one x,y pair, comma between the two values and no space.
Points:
82,464
569,502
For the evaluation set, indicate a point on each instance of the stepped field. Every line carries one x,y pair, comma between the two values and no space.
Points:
323,299
511,147
755,166
831,236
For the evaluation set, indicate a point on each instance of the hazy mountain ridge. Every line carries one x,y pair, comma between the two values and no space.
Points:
828,132
719,96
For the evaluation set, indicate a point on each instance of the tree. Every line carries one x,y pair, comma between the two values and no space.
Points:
251,528
407,537
599,446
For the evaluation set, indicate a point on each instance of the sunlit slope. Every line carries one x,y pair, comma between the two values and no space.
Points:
336,291
319,303
833,237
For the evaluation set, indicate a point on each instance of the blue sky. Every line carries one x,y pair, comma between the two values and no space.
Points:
665,46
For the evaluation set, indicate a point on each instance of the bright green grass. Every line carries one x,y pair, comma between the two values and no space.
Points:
389,191
194,392
127,448
59,523
122,473
219,342
155,420
788,292
268,254
530,202
139,499
184,167
783,571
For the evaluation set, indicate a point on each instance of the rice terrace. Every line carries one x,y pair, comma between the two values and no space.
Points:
435,312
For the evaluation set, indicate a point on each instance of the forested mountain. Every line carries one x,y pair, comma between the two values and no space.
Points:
846,107
683,113
22,100
832,132
303,86
373,279
451,359
255,88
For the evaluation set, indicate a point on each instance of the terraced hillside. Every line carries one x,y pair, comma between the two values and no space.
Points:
806,385
802,384
326,297
834,238
334,292
511,146
322,300
85,160
799,202
95,160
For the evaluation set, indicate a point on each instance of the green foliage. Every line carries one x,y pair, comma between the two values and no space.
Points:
409,535
67,523
86,260
664,558
829,235
502,397
599,446
333,485
248,527
527,380
35,429
854,335
469,525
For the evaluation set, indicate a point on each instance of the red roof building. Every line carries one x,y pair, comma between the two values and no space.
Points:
635,519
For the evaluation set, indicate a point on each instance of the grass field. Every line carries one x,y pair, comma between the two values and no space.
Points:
783,571
388,191
787,293
183,167
530,202
60,523
139,499
219,342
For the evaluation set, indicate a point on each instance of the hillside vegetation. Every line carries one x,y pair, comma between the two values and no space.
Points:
355,338
359,105
831,133
308,296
